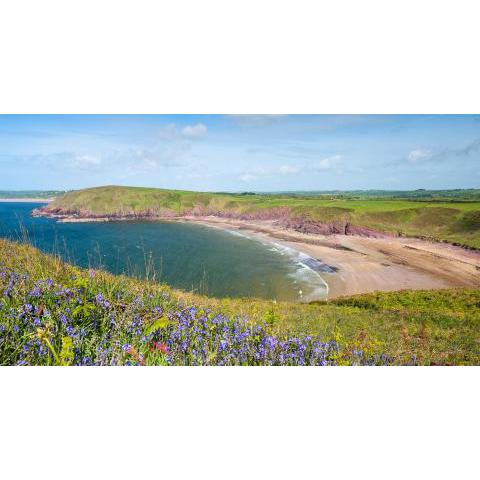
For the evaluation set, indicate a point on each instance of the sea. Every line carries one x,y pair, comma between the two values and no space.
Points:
192,257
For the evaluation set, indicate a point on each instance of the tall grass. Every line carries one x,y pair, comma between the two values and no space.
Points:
430,327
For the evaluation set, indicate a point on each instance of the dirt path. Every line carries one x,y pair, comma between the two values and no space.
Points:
371,264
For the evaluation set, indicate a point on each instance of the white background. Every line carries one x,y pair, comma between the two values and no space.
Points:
239,57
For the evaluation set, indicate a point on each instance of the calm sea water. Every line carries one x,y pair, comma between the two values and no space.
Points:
186,256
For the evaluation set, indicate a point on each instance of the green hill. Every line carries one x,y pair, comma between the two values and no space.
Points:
55,313
452,216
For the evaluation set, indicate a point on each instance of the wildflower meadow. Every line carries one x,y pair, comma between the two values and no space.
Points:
47,323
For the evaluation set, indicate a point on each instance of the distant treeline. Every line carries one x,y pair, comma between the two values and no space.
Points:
472,194
30,193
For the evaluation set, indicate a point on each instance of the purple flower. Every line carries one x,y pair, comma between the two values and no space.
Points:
27,308
71,331
101,301
36,292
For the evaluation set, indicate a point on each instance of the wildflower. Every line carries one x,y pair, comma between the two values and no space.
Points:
36,292
9,288
162,347
27,308
126,347
101,301
71,331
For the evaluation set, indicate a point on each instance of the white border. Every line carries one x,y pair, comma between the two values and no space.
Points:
251,56
246,422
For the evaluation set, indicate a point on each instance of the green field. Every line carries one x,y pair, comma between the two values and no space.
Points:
452,216
30,193
423,327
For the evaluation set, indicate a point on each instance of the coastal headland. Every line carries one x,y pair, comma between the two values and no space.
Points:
371,244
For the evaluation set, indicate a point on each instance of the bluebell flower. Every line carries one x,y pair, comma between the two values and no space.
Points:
28,307
71,331
36,292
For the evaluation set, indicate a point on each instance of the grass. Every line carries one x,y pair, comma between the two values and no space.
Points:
452,216
423,327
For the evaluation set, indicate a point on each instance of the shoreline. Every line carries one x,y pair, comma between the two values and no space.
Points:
359,264
365,264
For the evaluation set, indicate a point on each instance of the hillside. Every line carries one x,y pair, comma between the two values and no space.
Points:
55,313
451,216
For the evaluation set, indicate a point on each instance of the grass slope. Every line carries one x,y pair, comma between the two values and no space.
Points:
433,327
446,217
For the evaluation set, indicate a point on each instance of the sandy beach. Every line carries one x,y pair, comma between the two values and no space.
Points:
366,264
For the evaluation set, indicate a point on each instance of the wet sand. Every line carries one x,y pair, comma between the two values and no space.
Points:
365,264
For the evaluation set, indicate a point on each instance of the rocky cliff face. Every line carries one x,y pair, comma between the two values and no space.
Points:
281,216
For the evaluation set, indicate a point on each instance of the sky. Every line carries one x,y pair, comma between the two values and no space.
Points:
240,152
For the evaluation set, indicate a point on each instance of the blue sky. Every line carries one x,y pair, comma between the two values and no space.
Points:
240,152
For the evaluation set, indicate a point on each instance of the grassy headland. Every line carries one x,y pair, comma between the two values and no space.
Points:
451,216
55,313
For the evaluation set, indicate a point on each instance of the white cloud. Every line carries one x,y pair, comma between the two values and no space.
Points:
327,163
195,131
171,132
85,162
419,155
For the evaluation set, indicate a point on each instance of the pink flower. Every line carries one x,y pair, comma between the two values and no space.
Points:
160,346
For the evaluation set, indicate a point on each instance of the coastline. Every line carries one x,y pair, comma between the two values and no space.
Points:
359,264
364,264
